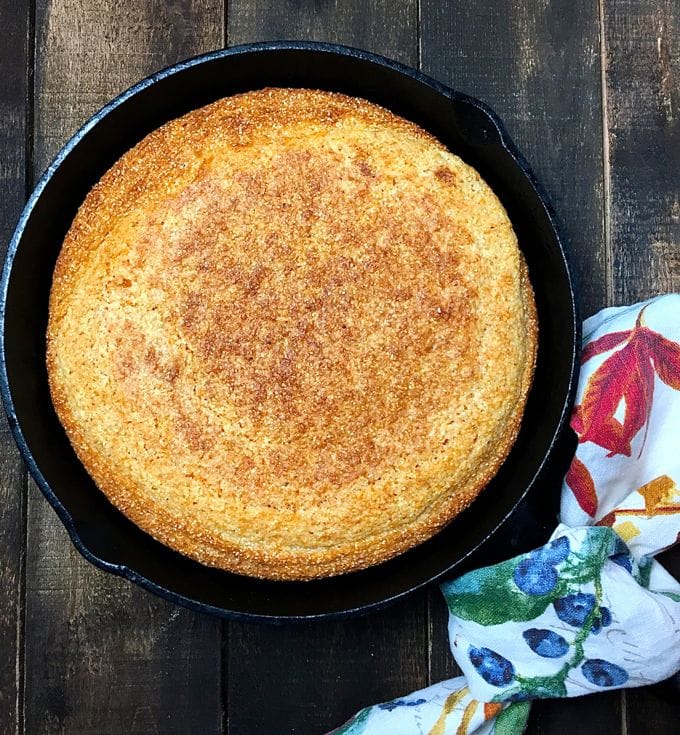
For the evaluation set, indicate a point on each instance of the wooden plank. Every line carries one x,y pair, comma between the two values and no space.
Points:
538,66
307,679
642,54
600,713
441,664
653,709
642,63
388,27
103,656
15,62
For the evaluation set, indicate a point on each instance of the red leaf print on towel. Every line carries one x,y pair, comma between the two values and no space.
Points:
620,377
627,376
603,344
666,356
581,483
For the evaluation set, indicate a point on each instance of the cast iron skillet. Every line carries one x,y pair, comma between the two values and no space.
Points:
102,534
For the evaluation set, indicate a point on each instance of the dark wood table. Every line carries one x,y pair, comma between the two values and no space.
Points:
588,90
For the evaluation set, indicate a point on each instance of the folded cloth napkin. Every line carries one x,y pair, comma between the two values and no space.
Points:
591,610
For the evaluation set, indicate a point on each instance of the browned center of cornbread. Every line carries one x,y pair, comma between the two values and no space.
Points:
310,333
291,334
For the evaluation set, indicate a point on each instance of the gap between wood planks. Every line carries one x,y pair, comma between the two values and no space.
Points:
29,174
606,163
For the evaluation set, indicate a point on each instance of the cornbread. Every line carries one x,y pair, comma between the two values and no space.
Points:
290,334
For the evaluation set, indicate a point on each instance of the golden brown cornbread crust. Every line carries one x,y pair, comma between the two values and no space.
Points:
290,334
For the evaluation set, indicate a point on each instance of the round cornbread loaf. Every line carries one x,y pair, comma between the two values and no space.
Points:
291,335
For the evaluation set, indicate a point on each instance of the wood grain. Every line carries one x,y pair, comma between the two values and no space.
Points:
103,656
642,56
389,27
15,62
312,678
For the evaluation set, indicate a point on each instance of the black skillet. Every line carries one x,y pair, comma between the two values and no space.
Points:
498,523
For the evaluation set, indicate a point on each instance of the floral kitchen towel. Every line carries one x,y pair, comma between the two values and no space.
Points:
577,616
626,471
591,610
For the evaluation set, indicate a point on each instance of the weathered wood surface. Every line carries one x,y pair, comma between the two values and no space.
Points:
15,65
641,57
588,90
